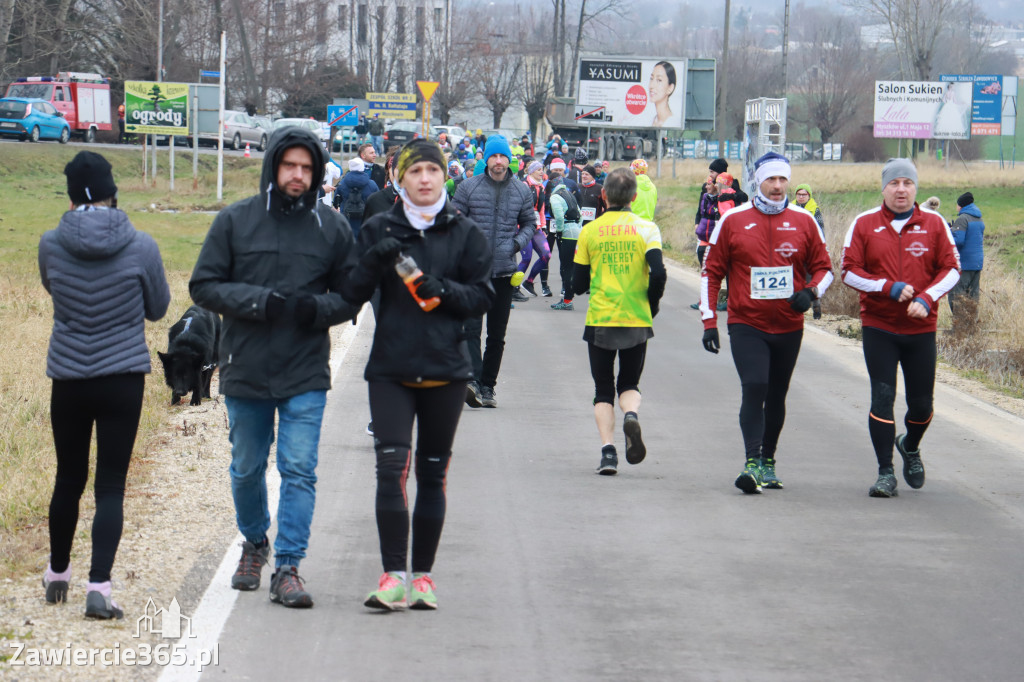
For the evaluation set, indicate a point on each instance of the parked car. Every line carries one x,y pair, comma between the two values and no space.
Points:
401,132
240,128
455,133
348,139
307,123
32,119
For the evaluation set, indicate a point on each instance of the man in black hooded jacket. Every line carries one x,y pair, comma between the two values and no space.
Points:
272,266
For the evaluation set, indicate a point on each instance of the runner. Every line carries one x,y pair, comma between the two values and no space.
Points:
624,297
766,248
902,260
105,279
539,243
419,364
647,194
565,213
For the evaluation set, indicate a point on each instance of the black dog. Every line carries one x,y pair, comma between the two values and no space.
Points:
191,354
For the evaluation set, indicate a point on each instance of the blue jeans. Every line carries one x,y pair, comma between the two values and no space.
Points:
378,144
251,424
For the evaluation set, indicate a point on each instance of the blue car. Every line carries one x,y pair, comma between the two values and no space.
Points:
32,119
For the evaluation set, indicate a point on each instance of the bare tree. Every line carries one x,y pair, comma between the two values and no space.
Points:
834,76
498,76
915,27
600,15
535,88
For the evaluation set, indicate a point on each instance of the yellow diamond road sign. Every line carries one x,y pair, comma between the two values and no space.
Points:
427,88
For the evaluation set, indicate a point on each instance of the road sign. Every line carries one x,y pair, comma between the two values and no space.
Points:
391,104
427,89
342,116
591,113
209,74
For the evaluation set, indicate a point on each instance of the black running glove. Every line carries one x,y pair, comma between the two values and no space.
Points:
305,310
801,300
428,286
710,340
274,307
382,254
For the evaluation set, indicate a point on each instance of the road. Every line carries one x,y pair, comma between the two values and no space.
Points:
547,571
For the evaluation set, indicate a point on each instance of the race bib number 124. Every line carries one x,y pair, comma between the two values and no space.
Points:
771,283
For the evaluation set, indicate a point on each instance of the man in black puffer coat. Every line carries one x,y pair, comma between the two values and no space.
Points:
502,207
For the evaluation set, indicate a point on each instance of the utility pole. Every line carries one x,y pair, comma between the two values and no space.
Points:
785,51
720,116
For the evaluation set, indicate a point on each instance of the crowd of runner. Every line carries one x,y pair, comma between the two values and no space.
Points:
439,238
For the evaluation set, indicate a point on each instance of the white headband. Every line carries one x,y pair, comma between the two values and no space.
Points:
769,169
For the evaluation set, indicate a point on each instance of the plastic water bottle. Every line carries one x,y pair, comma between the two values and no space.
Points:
407,269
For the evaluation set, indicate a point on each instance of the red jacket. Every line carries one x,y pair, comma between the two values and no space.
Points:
876,256
746,240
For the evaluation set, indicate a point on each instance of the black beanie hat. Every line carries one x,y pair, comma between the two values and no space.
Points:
580,157
89,179
965,199
719,166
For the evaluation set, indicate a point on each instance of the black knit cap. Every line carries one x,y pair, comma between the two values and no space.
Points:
965,199
89,179
580,157
719,166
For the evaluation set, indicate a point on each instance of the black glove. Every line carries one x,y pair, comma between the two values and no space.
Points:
428,286
305,310
383,253
654,307
275,306
710,340
801,300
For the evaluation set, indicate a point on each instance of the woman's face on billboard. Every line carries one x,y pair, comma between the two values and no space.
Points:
659,87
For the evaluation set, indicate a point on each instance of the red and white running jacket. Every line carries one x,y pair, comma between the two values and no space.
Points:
876,256
767,258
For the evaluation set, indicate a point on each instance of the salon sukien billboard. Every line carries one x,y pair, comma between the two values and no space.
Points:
156,108
923,110
635,93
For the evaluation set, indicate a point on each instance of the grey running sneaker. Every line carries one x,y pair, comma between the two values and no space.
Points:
913,468
286,588
247,575
487,398
56,584
609,465
519,296
635,448
885,486
562,305
528,285
99,605
768,477
750,480
473,398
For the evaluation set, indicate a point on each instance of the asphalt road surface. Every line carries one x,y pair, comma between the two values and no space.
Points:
547,571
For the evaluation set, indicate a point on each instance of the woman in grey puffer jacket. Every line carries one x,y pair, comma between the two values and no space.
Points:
105,279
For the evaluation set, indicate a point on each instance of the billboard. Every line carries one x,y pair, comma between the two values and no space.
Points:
156,108
391,105
635,93
923,110
994,108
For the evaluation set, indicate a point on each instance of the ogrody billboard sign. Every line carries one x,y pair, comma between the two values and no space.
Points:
923,110
635,93
156,108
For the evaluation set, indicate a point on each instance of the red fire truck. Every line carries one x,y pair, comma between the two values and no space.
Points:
83,98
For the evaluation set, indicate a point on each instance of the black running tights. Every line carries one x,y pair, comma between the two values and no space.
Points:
916,353
113,404
765,364
393,408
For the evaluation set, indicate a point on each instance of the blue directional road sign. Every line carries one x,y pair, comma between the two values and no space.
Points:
209,74
341,115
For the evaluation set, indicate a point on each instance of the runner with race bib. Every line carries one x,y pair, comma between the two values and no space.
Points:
777,265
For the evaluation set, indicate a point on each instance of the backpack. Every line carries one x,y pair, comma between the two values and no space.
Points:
572,213
354,204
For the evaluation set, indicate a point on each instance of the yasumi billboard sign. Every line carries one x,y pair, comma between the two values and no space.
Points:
923,110
635,93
